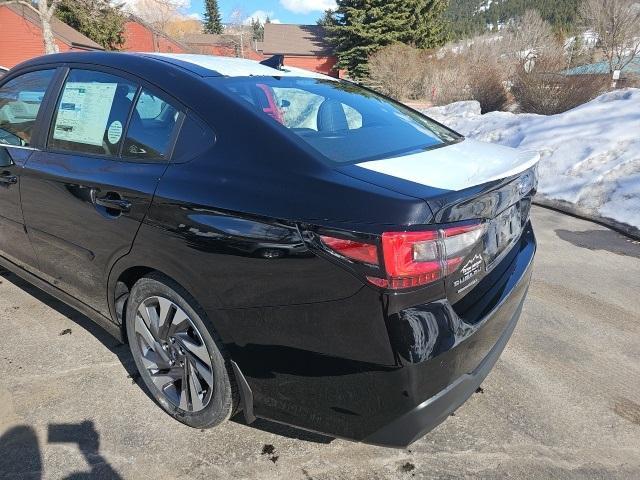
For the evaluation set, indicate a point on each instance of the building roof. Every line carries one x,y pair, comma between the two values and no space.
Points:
61,30
306,40
231,67
602,68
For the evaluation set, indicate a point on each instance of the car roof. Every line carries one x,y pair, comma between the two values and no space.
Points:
199,65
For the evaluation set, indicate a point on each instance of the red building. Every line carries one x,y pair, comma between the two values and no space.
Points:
139,36
226,45
21,35
303,46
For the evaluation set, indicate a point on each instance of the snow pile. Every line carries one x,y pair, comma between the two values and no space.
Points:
590,155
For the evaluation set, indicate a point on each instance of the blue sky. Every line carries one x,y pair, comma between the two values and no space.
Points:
284,11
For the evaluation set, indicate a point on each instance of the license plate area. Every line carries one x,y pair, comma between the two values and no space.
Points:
502,233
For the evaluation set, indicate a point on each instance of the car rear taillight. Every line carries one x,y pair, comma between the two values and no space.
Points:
412,259
361,252
458,243
418,258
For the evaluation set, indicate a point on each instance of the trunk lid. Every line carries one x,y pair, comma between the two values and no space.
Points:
452,168
466,181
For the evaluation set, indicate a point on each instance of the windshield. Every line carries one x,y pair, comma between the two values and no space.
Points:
342,121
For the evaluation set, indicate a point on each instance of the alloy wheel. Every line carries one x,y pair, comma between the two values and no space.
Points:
174,354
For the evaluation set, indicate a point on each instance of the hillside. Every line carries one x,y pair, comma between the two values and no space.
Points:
469,17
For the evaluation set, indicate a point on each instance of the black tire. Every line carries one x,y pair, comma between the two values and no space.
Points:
223,396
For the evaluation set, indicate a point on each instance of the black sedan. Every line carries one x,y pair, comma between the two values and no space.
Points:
266,239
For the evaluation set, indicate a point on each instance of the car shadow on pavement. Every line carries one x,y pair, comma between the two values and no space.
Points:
20,455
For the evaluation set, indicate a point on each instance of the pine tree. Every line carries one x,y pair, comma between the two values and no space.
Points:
327,19
212,18
426,26
359,28
463,22
257,28
470,17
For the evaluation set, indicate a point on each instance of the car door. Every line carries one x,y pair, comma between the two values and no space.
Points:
20,114
85,195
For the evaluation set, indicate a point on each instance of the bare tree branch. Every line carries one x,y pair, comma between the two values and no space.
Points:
530,37
46,12
237,28
617,24
159,13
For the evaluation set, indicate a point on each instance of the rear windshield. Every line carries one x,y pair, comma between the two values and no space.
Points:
342,121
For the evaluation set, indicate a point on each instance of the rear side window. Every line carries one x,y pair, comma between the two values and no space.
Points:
340,120
151,129
195,138
20,101
92,113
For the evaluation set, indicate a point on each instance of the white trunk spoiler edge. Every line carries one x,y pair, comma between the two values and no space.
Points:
458,166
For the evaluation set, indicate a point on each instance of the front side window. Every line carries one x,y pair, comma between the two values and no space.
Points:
92,113
20,101
151,129
340,120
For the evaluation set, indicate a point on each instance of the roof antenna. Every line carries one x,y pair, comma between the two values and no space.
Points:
277,62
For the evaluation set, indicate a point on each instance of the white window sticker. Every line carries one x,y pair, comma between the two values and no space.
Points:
84,112
115,132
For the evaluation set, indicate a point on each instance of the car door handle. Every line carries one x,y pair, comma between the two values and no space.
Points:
8,179
109,202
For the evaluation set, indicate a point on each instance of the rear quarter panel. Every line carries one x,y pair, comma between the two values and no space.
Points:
213,215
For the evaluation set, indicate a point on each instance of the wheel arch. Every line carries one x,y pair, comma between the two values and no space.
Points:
123,276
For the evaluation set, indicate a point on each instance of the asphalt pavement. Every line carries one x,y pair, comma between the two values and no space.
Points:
562,402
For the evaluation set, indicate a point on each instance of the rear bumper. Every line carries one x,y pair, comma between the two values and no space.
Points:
432,412
417,422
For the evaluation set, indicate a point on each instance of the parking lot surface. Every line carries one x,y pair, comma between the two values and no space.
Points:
563,401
